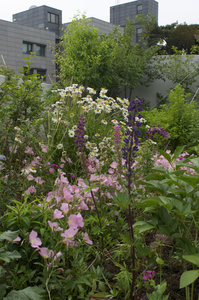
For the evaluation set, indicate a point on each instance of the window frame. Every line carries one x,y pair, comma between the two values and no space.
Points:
139,11
39,72
50,17
27,44
42,51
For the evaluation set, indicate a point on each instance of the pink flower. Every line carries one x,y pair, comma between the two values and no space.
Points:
35,242
67,194
30,177
64,207
69,234
114,165
57,214
45,253
83,205
13,149
39,180
31,190
44,148
75,221
86,238
29,150
51,170
54,226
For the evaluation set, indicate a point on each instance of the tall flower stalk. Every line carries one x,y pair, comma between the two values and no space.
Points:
129,153
80,143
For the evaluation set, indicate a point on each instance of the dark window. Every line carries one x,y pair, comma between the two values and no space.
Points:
139,9
27,48
40,50
139,33
41,73
52,18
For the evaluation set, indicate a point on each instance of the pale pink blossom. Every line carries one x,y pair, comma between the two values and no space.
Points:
45,253
39,180
69,234
35,242
86,239
64,207
57,214
75,221
54,226
30,190
29,150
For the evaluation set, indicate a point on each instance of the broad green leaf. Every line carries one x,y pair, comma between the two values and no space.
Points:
25,294
177,203
178,151
10,236
146,227
188,277
166,155
8,256
2,290
194,258
165,216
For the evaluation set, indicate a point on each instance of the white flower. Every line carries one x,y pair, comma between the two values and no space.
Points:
86,137
91,91
74,127
18,140
104,122
59,146
100,106
71,115
95,149
71,133
97,134
115,122
113,148
93,154
17,128
88,145
98,111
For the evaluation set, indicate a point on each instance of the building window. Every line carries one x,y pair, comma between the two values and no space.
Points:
139,33
41,73
40,50
139,9
52,18
27,48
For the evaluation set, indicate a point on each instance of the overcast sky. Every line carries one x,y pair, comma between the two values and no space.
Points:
170,11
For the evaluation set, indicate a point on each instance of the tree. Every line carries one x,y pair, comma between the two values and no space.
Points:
113,61
85,56
182,37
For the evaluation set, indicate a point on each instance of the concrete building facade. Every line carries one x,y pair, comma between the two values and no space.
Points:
38,29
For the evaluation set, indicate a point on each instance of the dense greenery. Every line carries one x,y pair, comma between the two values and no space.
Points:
113,61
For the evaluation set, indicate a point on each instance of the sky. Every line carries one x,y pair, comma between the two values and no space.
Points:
170,11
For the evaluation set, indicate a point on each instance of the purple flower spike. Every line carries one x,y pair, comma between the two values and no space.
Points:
79,133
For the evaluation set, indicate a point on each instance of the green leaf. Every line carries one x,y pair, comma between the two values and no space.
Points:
178,151
25,294
166,155
146,227
2,290
10,236
188,277
8,256
122,200
194,258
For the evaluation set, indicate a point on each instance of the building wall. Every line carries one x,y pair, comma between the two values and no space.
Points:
12,36
119,13
37,17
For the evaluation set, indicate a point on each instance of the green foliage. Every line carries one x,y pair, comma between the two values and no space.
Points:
176,118
111,61
179,68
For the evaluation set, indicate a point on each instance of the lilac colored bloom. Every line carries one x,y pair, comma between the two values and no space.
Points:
35,242
57,214
44,148
79,134
45,253
131,140
30,177
152,130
